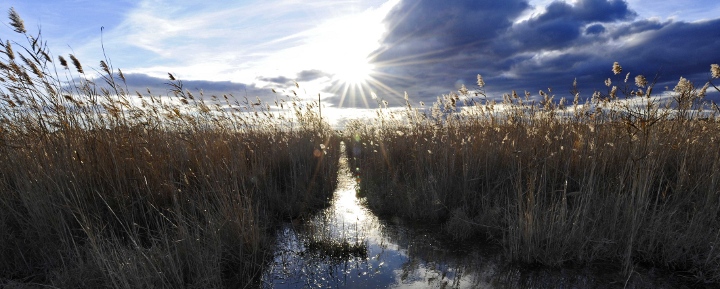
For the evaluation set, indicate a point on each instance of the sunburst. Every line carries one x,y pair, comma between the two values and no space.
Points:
355,70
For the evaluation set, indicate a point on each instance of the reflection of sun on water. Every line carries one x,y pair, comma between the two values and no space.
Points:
348,208
346,205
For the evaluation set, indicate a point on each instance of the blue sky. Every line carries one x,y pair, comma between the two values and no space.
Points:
347,49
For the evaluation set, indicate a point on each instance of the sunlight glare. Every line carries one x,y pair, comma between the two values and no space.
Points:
353,71
337,57
346,45
346,50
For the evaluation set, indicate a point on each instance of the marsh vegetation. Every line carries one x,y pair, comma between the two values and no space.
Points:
105,187
625,176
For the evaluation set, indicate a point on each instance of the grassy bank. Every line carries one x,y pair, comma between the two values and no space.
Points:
103,187
623,177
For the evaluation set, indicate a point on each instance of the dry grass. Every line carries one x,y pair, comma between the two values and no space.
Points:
101,187
629,179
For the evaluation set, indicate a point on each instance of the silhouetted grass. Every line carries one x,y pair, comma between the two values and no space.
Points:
101,187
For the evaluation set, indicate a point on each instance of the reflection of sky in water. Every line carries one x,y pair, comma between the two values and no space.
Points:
390,256
296,265
385,264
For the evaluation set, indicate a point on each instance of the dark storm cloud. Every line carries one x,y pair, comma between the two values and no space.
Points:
460,22
595,29
437,28
585,11
432,46
677,49
561,24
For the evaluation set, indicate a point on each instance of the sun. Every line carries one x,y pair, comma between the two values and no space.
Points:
355,70
345,45
341,55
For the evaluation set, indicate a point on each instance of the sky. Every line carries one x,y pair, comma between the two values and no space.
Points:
349,50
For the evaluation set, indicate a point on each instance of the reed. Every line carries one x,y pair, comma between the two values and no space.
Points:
103,187
624,176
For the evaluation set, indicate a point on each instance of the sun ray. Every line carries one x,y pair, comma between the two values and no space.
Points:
348,50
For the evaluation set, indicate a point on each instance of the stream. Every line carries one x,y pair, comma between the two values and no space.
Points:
347,246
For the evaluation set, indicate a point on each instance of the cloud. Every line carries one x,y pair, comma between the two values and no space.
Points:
587,11
160,86
310,75
428,28
278,80
639,26
302,76
561,24
595,29
432,46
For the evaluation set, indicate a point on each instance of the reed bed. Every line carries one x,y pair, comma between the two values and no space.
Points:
625,177
103,187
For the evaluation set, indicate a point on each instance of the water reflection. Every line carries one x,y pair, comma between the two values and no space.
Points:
341,246
347,246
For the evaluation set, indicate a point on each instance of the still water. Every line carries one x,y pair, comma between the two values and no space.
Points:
347,246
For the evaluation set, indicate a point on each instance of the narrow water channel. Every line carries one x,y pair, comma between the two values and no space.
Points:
347,246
